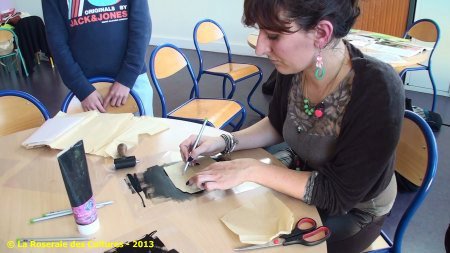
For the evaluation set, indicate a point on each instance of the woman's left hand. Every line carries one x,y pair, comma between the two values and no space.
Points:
225,175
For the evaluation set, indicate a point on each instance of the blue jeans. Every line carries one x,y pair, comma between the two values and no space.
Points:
143,89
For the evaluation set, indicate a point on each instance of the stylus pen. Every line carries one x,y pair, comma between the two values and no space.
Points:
55,239
69,211
56,214
195,145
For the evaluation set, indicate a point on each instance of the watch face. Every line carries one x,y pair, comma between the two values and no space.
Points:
103,2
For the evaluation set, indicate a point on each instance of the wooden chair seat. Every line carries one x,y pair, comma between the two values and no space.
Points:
165,61
217,111
18,113
74,105
378,244
235,70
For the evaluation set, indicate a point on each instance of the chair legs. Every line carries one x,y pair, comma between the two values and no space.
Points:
433,105
23,62
251,94
233,89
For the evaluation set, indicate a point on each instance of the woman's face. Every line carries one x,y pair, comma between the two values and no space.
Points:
290,52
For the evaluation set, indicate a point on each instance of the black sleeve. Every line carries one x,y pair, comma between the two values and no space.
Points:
362,165
278,104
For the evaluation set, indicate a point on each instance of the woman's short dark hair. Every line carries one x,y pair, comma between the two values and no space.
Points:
306,13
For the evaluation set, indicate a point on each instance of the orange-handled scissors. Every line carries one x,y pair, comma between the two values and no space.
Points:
305,232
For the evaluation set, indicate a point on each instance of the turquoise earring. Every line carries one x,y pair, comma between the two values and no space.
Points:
319,73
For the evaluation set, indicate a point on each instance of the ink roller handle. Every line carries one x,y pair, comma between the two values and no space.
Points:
125,162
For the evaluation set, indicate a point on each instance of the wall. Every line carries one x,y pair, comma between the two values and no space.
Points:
174,21
31,6
438,11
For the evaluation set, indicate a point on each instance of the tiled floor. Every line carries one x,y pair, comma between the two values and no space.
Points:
425,232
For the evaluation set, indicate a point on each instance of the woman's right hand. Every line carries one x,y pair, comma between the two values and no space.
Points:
207,146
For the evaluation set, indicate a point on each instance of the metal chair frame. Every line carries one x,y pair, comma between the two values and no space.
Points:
133,94
226,76
16,51
396,245
195,89
428,66
33,100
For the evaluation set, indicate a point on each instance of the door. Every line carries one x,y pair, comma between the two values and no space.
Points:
384,16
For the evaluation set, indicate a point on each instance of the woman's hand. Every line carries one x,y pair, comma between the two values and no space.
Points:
225,175
207,146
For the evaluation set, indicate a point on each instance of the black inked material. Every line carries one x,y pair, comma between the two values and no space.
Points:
136,185
124,162
157,246
159,185
75,174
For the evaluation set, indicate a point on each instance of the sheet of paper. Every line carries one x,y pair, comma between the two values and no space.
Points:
100,132
260,220
51,130
130,136
175,173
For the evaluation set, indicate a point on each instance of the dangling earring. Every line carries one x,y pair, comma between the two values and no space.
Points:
320,70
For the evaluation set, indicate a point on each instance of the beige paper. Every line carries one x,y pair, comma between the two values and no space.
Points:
100,132
260,220
175,173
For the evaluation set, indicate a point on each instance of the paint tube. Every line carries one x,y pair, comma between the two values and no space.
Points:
74,170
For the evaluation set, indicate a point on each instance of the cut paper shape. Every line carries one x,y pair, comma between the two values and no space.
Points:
260,220
175,173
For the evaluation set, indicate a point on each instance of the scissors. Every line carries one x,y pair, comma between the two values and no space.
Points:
305,232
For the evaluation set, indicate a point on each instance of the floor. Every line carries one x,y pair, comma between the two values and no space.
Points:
425,232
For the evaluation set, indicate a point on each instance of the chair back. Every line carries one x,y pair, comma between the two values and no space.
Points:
72,104
425,30
6,33
20,111
207,31
165,61
417,159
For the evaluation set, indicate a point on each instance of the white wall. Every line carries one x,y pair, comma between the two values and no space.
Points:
31,6
438,11
174,21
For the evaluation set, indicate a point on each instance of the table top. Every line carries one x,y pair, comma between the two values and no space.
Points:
408,62
31,184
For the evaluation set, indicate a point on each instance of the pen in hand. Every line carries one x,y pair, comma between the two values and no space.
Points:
195,145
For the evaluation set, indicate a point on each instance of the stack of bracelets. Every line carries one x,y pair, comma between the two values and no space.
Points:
230,143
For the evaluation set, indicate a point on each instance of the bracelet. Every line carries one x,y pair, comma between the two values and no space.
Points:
230,143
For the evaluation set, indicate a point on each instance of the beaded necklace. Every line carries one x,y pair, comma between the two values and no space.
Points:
319,108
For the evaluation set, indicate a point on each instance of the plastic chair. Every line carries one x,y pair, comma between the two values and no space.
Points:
165,61
208,31
428,31
72,104
7,34
20,111
416,160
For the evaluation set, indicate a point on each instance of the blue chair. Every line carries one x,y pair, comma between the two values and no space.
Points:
428,31
165,61
208,31
8,34
416,160
72,104
20,111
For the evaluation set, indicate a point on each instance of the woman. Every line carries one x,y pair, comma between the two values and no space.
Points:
338,110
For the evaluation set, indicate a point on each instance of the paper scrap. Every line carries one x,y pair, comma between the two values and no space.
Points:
260,220
175,173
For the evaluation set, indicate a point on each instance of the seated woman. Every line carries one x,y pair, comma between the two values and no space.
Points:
340,112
